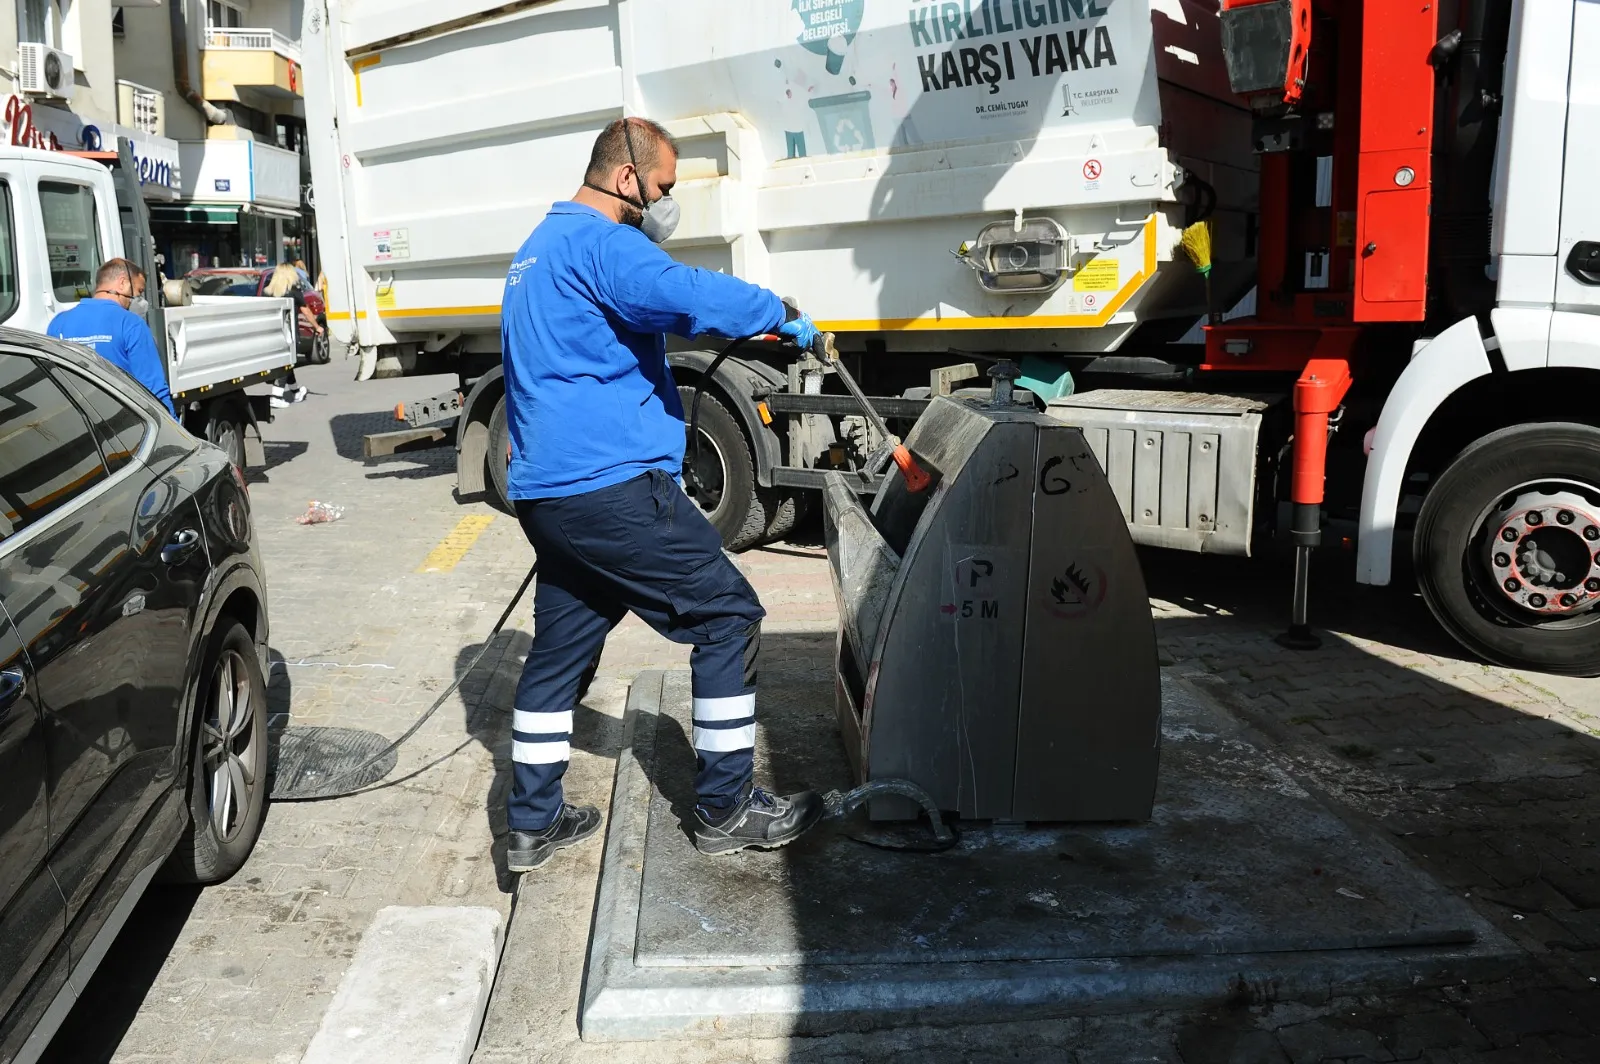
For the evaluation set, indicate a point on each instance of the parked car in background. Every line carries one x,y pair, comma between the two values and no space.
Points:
133,640
252,281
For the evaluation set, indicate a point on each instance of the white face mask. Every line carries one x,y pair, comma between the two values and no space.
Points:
660,219
139,305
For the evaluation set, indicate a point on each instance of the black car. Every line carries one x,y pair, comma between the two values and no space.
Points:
133,631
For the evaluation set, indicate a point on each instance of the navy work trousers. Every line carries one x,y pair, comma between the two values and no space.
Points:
640,546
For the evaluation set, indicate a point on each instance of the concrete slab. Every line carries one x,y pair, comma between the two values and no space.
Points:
415,991
1242,886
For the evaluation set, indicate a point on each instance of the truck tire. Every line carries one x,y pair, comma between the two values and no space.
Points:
225,424
737,508
498,459
791,509
1507,548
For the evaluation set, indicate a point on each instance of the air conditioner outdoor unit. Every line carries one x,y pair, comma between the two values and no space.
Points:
44,71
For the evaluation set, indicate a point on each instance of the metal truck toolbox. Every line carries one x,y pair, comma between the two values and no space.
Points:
1182,464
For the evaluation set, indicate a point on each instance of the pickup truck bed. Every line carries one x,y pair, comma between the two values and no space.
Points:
222,342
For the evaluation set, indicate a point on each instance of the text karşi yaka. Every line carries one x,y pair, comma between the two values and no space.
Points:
1059,52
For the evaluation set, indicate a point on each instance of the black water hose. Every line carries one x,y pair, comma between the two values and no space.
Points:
1203,203
691,468
837,804
327,791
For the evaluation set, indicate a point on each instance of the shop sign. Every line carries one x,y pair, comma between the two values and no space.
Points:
23,133
155,158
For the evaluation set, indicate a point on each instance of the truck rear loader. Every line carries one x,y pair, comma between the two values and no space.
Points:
1392,318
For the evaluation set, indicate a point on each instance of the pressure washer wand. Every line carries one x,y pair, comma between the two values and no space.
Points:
916,478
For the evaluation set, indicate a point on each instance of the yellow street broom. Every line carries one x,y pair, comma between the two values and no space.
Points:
1196,244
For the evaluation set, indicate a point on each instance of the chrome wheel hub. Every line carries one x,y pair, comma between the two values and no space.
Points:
1544,551
711,472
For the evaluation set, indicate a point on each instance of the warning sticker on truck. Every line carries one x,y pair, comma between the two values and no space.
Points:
1097,275
389,244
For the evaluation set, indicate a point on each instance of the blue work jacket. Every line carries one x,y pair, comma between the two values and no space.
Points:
120,337
590,401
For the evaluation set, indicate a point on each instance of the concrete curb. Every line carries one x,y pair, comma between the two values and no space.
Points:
415,992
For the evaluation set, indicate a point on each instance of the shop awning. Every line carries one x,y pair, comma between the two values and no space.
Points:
194,214
271,212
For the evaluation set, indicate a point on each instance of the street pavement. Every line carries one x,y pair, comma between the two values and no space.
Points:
1485,776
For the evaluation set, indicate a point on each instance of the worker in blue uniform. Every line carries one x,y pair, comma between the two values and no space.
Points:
597,442
111,323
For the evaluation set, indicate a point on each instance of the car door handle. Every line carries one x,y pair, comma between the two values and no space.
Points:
13,684
182,545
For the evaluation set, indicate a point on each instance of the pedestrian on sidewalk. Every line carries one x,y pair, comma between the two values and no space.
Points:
597,442
285,283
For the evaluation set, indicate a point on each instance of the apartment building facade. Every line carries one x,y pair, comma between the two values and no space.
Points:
61,88
225,77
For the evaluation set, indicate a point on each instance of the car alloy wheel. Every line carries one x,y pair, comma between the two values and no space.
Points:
227,746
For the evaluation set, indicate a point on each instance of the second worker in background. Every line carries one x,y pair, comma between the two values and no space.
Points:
111,323
597,442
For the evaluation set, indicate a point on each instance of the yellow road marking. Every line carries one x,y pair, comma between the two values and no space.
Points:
448,554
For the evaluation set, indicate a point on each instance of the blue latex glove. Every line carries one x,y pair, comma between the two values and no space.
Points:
800,330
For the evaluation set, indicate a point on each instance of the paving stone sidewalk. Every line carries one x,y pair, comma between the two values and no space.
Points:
1485,776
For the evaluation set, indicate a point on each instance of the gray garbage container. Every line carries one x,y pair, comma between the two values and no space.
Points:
995,642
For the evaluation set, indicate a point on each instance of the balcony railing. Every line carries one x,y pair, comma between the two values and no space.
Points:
252,40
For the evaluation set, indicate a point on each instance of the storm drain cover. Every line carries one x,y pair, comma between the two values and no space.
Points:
321,762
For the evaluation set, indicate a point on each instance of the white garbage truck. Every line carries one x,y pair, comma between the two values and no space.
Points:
1288,265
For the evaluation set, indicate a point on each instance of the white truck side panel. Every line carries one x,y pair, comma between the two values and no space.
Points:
838,152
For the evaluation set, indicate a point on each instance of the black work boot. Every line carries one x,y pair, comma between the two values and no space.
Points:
527,850
759,820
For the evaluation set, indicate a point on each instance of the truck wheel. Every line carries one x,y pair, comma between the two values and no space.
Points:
740,511
1507,548
225,428
790,511
498,459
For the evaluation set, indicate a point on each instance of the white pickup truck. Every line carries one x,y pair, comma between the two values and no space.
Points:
62,215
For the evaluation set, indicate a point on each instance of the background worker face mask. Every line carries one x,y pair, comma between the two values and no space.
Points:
136,304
